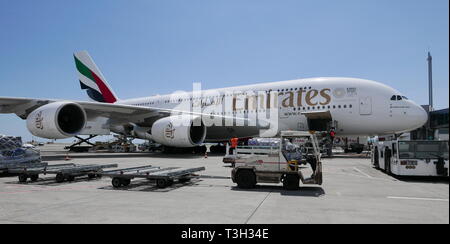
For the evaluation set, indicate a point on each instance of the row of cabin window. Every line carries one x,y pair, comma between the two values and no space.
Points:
295,109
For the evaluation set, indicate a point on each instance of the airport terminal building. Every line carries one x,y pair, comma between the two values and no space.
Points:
436,128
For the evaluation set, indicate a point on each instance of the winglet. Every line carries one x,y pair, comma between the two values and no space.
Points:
92,80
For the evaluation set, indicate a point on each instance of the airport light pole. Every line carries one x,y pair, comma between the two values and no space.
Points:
430,95
430,81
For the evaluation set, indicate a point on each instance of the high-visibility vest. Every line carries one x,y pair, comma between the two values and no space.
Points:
234,142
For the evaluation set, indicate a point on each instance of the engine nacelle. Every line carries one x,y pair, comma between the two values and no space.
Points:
179,131
142,133
57,120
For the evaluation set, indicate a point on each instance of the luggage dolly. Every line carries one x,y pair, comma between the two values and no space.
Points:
164,177
6,167
62,171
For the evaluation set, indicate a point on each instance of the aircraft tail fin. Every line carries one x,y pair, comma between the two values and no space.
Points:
92,79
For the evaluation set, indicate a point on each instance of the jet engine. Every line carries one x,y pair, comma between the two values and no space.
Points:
179,131
141,133
57,120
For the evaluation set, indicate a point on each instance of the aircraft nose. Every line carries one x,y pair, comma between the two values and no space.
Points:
419,116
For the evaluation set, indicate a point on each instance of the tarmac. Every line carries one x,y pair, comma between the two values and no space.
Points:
353,192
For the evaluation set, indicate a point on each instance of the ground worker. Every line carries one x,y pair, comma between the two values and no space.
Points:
233,144
330,145
332,133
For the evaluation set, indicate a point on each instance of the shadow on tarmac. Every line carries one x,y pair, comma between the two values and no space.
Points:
7,175
303,191
417,179
50,181
150,186
423,179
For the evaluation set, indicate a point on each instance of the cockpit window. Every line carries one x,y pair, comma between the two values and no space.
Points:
398,98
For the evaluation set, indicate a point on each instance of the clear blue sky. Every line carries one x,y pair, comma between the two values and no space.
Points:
147,47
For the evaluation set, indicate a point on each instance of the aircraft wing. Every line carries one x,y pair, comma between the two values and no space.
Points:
22,107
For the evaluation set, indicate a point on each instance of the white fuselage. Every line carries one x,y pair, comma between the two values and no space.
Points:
356,106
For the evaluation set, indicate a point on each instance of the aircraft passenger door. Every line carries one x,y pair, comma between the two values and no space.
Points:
365,106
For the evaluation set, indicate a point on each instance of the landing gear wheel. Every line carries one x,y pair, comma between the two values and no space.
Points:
126,182
291,182
34,178
116,182
246,179
23,178
60,178
161,183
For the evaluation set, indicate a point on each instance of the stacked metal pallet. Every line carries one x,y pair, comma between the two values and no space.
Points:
13,152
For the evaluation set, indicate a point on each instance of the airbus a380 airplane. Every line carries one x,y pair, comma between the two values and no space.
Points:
187,119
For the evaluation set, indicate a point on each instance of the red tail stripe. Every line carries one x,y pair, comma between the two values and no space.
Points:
106,93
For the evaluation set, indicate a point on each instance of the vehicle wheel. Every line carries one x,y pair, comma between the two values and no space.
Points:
388,168
60,178
387,161
70,178
91,176
34,178
161,183
291,182
23,178
170,182
126,182
246,179
116,182
319,179
376,158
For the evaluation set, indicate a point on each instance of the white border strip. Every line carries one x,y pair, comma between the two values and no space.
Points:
419,198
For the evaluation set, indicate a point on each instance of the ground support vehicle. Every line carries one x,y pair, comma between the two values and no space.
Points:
282,163
411,157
